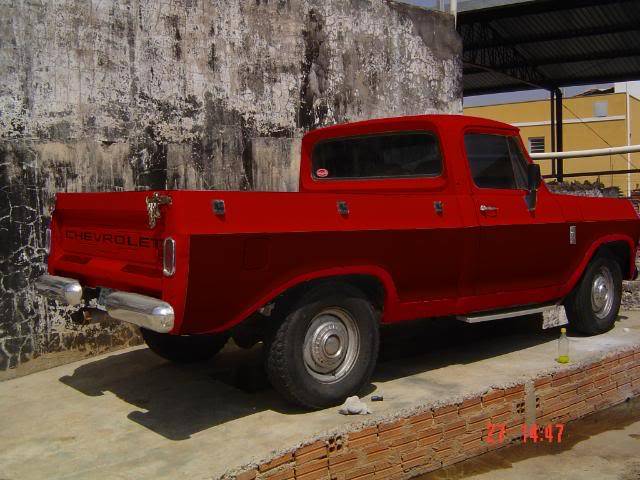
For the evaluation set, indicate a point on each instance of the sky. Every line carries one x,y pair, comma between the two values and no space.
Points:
510,97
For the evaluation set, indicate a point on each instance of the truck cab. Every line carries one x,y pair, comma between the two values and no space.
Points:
395,219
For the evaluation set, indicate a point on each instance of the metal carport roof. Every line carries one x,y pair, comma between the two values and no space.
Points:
516,45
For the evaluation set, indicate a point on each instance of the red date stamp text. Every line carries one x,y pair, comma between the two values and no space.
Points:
496,433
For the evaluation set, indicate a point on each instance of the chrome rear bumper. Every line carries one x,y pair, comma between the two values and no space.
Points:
63,289
141,310
147,312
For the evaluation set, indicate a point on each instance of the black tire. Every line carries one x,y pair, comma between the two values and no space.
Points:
583,312
292,367
184,348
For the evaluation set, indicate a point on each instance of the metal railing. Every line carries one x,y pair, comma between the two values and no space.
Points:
596,152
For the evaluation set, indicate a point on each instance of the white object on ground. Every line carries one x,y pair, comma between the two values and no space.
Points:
554,317
354,406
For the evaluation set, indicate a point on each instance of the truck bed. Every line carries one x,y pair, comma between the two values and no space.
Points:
262,243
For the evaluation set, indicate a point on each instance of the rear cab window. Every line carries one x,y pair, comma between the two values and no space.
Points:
496,161
388,155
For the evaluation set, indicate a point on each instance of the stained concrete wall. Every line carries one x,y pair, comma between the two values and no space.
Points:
143,94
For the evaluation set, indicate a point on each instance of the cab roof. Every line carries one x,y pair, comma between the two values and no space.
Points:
443,120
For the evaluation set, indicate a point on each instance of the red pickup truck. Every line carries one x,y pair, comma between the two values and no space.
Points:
395,219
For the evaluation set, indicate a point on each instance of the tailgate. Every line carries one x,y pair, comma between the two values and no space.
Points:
104,239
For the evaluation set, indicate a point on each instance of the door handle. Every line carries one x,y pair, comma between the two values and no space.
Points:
488,208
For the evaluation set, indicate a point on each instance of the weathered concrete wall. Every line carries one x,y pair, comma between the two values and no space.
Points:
143,94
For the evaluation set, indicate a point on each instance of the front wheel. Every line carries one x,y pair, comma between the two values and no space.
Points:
184,348
326,347
593,306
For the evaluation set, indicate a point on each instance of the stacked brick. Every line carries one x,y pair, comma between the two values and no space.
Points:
571,394
431,439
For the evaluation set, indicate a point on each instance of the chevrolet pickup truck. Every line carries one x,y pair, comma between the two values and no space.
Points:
395,219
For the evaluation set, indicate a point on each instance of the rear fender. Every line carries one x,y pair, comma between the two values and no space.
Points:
390,293
602,241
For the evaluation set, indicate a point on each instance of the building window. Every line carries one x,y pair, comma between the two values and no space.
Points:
536,144
600,109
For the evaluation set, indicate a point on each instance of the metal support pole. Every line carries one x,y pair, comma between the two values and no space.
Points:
559,147
453,10
628,114
552,105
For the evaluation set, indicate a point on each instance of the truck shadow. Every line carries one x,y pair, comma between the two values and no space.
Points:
177,401
414,347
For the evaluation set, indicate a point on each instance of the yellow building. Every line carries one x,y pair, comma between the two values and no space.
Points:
590,121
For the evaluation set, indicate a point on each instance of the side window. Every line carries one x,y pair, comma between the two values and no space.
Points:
496,161
407,154
519,163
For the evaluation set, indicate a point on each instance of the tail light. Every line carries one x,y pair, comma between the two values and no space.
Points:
47,241
169,257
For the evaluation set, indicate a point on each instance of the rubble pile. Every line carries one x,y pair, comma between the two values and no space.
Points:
630,296
631,292
584,189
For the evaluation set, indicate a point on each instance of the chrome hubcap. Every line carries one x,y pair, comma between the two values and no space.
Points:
331,345
602,293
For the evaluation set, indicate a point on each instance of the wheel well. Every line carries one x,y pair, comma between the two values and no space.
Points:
371,286
620,252
260,324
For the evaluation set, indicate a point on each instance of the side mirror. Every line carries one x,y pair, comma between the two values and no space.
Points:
533,182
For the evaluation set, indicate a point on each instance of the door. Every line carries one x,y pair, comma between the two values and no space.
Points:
414,232
518,249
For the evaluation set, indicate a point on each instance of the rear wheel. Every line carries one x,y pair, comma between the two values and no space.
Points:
184,348
326,347
593,306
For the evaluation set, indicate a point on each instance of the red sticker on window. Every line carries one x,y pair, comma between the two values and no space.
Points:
322,172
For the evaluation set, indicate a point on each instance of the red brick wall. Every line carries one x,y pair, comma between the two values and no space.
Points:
440,436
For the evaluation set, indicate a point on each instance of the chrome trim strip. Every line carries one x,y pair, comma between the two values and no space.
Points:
63,289
572,235
519,312
169,268
147,312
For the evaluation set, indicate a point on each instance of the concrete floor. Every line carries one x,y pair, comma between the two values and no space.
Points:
130,414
